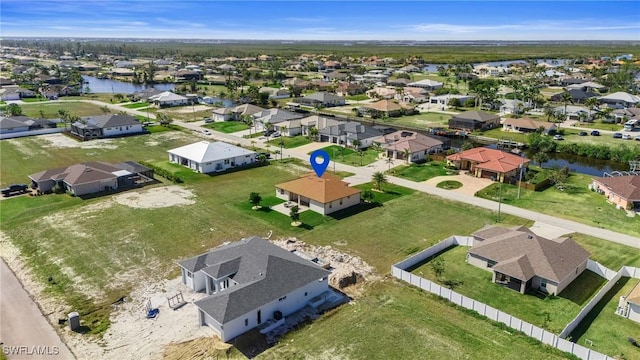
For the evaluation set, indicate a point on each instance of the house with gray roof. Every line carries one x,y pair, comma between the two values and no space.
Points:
521,260
102,126
14,124
269,117
474,120
347,132
322,98
251,282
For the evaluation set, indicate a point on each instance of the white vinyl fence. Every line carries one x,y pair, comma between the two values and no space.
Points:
31,133
399,271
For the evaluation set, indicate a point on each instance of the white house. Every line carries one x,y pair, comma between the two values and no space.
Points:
252,282
629,306
168,98
620,100
426,84
324,195
443,100
208,157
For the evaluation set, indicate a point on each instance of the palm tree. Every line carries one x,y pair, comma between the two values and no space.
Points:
283,130
313,133
549,111
379,179
356,143
406,152
566,99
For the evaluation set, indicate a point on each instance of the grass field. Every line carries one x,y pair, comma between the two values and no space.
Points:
551,313
395,321
607,253
227,126
136,105
576,203
422,172
349,156
608,331
50,109
289,142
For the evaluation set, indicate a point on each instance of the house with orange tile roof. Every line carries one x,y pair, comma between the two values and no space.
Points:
629,306
623,191
521,260
324,195
489,163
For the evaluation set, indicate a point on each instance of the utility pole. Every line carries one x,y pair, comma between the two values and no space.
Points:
499,200
334,161
520,175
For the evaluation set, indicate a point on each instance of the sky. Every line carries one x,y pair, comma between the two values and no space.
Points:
325,20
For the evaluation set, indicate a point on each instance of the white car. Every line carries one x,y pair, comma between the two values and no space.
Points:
626,137
206,132
558,137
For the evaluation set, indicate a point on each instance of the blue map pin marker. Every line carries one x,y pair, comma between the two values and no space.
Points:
319,167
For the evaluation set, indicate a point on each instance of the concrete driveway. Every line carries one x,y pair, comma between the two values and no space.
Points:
24,331
470,184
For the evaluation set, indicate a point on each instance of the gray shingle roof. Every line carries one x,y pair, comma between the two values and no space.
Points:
480,116
107,121
264,272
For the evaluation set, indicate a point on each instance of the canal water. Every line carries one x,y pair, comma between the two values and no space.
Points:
119,87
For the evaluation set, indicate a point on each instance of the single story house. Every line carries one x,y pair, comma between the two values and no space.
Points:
348,89
102,126
12,124
296,83
382,93
387,107
412,95
521,260
269,117
235,113
527,125
629,306
322,98
587,86
167,98
16,93
578,96
317,121
324,195
251,282
474,120
576,112
427,84
623,191
144,95
275,93
90,177
620,100
489,163
399,144
444,100
207,157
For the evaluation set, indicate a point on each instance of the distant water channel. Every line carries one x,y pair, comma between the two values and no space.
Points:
583,165
119,87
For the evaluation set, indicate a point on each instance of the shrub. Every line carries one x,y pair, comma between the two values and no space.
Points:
163,172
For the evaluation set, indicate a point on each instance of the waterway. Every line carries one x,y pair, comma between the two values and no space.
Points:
119,87
583,165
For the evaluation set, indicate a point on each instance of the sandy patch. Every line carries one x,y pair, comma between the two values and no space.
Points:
62,141
21,146
156,198
151,143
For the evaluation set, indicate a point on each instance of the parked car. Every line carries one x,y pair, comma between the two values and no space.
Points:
582,133
206,132
626,137
595,133
617,135
268,132
208,120
637,138
558,137
14,189
276,134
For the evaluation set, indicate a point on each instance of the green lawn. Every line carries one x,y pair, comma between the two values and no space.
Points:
227,126
607,330
289,142
50,109
34,99
599,125
357,97
551,313
422,172
449,184
345,155
136,105
575,203
608,253
395,321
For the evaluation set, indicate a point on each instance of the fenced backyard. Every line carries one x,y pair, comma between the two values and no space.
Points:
399,270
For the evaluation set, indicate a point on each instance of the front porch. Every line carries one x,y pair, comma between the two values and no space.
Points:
285,207
509,282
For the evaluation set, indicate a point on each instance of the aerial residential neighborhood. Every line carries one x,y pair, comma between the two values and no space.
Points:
300,181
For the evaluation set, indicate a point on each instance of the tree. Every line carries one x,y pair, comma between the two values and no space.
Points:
41,112
540,157
559,176
164,119
262,158
406,152
356,143
254,199
14,110
294,214
283,129
566,99
367,195
104,109
379,179
313,133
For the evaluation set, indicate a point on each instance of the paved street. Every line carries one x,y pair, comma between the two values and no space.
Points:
22,325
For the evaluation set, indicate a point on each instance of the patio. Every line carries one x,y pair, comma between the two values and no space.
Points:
285,207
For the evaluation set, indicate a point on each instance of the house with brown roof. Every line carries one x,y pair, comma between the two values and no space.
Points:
521,260
629,306
489,163
387,108
409,145
324,195
90,177
527,125
474,120
623,191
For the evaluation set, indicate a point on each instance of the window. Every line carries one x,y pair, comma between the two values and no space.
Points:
189,274
226,161
340,201
543,283
281,191
576,271
246,322
305,293
282,298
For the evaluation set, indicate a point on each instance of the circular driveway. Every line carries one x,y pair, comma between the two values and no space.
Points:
470,184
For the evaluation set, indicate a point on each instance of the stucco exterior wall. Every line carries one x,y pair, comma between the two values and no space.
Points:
477,261
122,130
93,187
572,276
343,203
634,312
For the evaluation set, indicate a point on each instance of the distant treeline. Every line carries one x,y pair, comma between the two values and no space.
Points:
439,54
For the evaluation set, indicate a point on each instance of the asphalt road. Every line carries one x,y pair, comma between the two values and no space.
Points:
24,331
